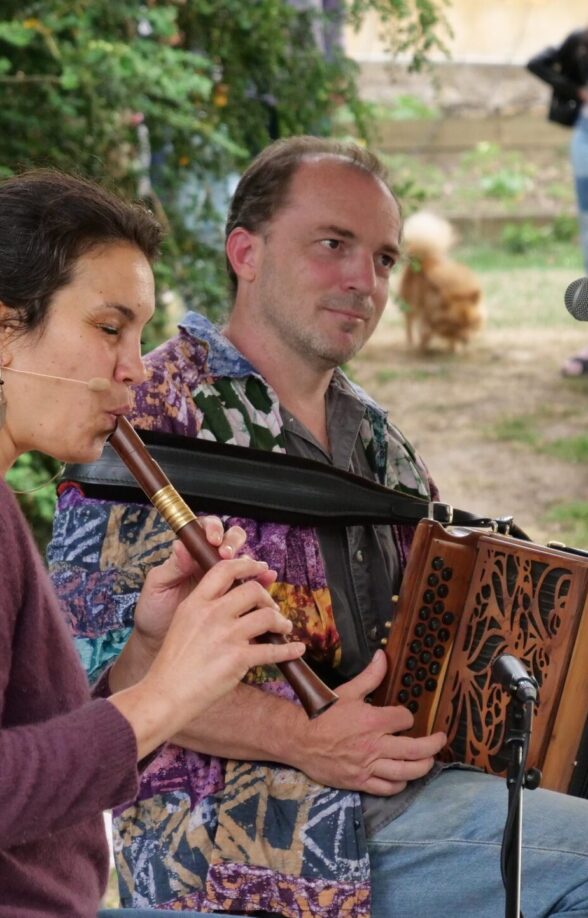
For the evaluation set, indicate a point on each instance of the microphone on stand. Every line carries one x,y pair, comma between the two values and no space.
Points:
96,384
509,672
576,299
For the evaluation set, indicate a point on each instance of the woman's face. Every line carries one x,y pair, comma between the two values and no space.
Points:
93,329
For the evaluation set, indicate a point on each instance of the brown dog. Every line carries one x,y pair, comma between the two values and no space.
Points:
441,297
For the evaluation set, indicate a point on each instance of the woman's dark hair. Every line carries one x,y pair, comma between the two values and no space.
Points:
263,188
48,220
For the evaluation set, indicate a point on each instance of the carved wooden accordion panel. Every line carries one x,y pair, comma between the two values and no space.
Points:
468,596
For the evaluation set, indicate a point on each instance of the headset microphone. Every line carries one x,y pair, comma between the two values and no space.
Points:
96,384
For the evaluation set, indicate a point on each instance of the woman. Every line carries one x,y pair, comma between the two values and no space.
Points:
566,69
76,289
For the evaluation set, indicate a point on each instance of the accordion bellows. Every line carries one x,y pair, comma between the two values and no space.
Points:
467,597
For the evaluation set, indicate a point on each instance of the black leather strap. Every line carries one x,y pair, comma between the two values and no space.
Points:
214,477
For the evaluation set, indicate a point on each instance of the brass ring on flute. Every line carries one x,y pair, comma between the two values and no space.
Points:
172,507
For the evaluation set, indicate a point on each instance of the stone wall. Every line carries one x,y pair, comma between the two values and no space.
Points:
485,72
487,31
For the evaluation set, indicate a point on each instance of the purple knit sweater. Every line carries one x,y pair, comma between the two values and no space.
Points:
63,757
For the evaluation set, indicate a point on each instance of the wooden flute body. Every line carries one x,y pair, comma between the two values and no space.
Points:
312,692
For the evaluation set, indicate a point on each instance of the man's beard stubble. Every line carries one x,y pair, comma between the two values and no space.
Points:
309,342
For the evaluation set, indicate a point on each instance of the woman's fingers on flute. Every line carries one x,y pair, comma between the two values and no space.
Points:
220,578
229,542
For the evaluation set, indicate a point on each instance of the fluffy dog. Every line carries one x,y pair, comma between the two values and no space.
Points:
440,297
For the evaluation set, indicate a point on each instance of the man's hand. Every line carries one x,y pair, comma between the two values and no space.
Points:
209,646
353,745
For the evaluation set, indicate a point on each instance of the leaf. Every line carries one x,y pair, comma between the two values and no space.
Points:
15,33
69,79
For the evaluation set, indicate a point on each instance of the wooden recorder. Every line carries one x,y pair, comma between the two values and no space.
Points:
467,597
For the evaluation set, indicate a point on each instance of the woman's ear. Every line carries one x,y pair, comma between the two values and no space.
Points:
6,334
242,250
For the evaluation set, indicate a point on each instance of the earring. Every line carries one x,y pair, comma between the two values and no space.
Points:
3,402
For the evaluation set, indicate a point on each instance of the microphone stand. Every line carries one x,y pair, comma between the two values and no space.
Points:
518,733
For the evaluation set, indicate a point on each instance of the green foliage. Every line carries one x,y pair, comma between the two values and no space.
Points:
519,238
416,26
414,185
505,183
100,87
570,449
572,520
521,429
524,237
167,100
565,228
404,107
32,473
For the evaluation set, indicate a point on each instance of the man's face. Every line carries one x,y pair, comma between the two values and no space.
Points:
324,262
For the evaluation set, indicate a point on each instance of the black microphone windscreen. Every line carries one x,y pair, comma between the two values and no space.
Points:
576,299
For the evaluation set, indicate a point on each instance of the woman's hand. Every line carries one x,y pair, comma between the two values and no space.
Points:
208,648
169,583
165,587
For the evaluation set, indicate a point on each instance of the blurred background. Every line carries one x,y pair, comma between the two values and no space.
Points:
167,101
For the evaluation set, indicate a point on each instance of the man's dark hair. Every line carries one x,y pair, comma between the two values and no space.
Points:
263,188
48,220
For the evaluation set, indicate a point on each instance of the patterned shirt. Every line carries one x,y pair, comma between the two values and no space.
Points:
208,833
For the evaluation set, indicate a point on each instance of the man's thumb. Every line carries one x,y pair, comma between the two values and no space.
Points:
176,568
368,680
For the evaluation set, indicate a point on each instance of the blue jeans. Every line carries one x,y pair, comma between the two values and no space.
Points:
441,858
579,158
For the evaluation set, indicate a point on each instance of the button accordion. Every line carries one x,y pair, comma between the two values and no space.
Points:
468,596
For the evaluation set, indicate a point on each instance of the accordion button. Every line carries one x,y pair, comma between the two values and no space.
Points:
443,590
421,674
448,618
424,613
415,646
402,697
411,663
435,669
431,685
425,657
432,580
439,651
413,706
437,563
428,596
407,680
434,624
438,608
443,634
419,629
416,691
447,574
429,640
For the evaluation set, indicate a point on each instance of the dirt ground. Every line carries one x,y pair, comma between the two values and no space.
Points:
461,410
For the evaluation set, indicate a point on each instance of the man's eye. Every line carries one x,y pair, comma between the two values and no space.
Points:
332,244
387,261
110,329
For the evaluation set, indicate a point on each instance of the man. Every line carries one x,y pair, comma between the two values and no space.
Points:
341,815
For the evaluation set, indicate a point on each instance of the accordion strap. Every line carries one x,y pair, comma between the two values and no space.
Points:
266,485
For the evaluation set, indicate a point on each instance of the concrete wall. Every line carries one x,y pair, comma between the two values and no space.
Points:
485,73
488,31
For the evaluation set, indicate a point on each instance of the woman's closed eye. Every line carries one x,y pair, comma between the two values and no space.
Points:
111,330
